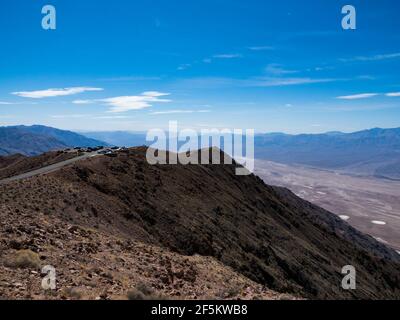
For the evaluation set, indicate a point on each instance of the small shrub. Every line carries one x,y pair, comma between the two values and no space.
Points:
144,292
229,292
145,289
73,293
25,259
135,294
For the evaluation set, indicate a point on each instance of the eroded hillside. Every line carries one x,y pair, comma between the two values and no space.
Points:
263,233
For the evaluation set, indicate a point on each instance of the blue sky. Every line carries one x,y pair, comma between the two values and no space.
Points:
266,65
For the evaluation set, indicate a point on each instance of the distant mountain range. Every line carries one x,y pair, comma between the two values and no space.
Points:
34,140
119,138
374,152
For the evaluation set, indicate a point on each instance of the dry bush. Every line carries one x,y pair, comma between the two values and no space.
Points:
25,259
144,292
230,292
73,293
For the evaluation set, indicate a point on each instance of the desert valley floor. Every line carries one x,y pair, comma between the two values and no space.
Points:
372,205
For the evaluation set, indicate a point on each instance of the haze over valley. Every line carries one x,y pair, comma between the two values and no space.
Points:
372,205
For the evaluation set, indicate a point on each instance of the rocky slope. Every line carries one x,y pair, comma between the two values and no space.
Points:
248,229
17,164
91,264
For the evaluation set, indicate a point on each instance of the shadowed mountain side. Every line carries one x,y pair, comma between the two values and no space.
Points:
68,138
35,140
14,140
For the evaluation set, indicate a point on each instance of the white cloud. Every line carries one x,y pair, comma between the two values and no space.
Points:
220,82
127,103
66,116
112,117
184,66
358,96
366,77
155,94
82,101
227,56
377,57
130,78
5,103
261,48
277,69
278,82
54,92
179,111
393,94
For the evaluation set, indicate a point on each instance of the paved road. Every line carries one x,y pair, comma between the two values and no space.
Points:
48,169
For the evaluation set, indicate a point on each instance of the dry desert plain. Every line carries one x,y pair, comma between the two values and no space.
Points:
372,205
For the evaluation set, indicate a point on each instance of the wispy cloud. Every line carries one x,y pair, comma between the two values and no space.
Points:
221,82
7,103
280,82
130,78
179,111
112,117
207,60
82,101
366,77
320,68
47,93
393,94
261,48
376,57
358,96
184,66
277,69
127,103
67,116
361,107
227,56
